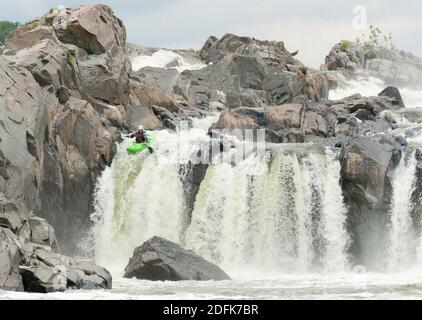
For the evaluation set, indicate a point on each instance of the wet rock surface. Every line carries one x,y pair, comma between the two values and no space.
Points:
160,259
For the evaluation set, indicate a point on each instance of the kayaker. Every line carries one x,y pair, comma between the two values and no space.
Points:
140,135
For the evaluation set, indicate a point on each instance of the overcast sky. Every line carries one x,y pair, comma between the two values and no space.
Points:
311,27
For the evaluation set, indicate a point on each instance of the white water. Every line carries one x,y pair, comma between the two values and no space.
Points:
142,196
289,217
300,286
165,59
371,86
402,234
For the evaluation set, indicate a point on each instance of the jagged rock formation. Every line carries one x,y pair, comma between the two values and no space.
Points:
63,91
161,259
396,67
241,72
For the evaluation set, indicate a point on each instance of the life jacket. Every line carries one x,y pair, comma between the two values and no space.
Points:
141,137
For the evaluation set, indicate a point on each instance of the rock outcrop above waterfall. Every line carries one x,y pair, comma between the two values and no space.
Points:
241,71
64,85
306,120
161,259
396,67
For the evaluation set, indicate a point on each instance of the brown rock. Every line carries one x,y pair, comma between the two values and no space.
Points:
315,124
283,116
28,36
148,95
231,121
93,28
142,115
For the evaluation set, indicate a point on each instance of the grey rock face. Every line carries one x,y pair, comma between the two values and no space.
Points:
42,232
10,278
367,167
54,143
48,271
33,262
105,76
393,93
94,28
160,259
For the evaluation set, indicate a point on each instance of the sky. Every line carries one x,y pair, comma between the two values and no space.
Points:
312,27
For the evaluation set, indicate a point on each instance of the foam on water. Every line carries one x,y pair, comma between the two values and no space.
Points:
165,59
371,86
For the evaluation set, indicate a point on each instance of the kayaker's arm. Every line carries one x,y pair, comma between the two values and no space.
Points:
128,135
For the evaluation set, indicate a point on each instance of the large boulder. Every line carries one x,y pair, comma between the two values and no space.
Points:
285,116
42,232
368,165
150,95
160,259
94,28
142,115
10,278
394,93
105,76
231,121
82,49
48,271
364,167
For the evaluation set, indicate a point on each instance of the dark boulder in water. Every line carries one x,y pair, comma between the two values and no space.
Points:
394,93
160,259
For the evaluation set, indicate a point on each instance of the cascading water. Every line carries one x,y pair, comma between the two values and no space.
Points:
371,86
402,244
286,217
283,215
141,196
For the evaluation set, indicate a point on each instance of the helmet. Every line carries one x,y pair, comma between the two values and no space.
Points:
141,127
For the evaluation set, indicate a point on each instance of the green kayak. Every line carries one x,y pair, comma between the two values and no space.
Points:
139,147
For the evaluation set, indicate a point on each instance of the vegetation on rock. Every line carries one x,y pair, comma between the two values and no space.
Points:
344,44
376,41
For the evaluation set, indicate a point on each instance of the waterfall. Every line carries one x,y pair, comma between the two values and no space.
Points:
284,214
287,215
402,244
142,195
